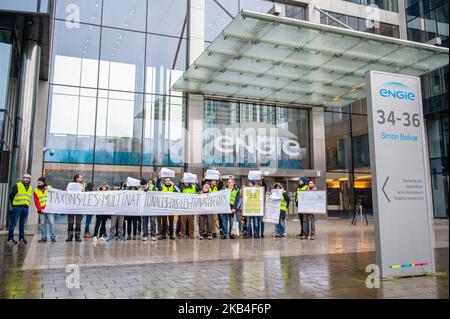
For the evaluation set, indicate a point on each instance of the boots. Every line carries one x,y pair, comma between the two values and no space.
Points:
77,237
69,238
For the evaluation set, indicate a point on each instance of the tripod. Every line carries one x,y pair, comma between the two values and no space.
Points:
359,210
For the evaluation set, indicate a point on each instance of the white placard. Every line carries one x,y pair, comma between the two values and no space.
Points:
312,202
254,175
272,210
401,190
133,203
133,182
189,178
212,175
74,187
167,173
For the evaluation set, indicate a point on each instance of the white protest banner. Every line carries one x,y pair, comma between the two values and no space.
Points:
254,175
253,202
312,202
134,203
166,173
272,210
133,182
189,178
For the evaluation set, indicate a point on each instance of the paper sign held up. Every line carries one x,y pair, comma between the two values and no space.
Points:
167,173
189,178
133,182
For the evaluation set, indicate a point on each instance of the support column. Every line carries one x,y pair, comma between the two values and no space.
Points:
317,144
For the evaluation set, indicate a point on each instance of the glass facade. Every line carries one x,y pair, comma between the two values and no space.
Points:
255,135
427,20
348,159
111,111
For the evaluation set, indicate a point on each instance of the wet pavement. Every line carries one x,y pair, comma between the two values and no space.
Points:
333,266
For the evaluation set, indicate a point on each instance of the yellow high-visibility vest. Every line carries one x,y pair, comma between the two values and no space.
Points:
23,195
190,190
283,206
233,194
42,195
167,189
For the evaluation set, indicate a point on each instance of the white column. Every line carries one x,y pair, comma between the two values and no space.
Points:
317,144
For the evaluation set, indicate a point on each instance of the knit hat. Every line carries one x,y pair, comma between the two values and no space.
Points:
41,179
143,182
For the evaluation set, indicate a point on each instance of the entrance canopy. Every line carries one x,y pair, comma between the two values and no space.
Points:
265,57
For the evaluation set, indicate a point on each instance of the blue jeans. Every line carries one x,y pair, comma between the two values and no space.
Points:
280,228
227,224
45,219
256,223
261,225
19,214
88,223
152,225
239,220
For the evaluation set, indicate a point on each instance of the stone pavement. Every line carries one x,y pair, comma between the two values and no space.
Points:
333,266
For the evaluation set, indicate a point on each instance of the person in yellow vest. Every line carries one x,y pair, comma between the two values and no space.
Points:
302,186
75,219
280,228
188,220
216,185
20,198
40,201
147,186
227,219
167,186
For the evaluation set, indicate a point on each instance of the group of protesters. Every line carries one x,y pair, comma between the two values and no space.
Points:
124,228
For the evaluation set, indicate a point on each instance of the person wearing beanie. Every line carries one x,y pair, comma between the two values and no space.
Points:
302,186
40,201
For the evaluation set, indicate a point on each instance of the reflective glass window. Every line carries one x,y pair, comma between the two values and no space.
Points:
164,130
70,133
75,55
218,14
85,11
130,14
168,17
166,61
122,60
119,128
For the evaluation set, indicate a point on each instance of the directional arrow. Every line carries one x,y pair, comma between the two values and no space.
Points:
382,189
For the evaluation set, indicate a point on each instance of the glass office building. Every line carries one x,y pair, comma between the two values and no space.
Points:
107,108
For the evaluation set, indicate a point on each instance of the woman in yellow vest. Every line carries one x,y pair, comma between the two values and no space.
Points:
20,197
40,201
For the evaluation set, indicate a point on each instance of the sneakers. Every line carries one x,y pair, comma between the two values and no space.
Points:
94,239
23,241
312,237
87,235
172,238
42,240
129,237
153,238
303,237
102,239
12,241
223,237
77,237
210,238
53,240
134,237
122,238
69,238
201,237
145,238
162,238
110,238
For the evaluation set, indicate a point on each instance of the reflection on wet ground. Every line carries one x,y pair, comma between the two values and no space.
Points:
333,266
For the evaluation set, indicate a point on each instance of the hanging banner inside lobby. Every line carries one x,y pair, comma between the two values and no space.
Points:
312,202
135,203
272,210
253,201
401,190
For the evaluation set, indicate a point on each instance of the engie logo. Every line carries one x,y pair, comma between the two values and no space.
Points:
397,90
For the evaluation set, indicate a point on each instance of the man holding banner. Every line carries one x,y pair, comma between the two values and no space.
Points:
188,186
167,187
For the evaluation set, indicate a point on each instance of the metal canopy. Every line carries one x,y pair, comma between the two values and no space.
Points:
265,57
